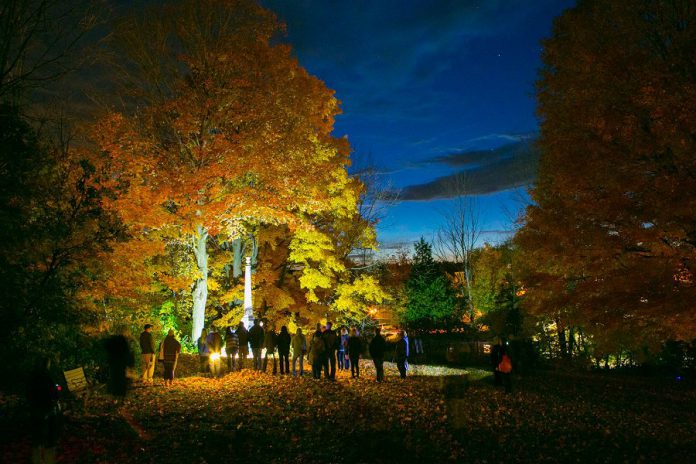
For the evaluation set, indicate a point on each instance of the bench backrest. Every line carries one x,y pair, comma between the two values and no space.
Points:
76,380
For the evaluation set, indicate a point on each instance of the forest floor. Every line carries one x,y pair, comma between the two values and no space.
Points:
428,417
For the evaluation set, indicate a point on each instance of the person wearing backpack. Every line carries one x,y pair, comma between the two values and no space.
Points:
505,368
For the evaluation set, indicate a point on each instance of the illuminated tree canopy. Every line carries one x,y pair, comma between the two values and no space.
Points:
223,135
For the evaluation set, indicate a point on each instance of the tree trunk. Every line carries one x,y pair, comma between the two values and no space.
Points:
200,289
562,345
470,301
237,259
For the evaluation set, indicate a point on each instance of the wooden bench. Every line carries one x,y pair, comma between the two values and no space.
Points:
78,385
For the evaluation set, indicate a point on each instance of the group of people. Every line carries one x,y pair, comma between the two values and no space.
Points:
326,351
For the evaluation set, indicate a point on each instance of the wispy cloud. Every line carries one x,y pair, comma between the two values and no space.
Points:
480,172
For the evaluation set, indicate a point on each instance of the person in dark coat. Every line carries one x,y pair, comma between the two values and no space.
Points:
269,342
44,412
331,340
317,352
355,349
256,337
170,349
147,356
231,348
377,348
203,352
214,342
243,336
401,353
283,342
119,358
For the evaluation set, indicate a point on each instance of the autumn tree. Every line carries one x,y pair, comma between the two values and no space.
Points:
610,238
221,131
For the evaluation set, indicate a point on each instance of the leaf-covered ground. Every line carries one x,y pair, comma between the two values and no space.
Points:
250,417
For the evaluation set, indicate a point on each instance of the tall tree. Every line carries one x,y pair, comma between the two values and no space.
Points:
222,129
458,236
611,238
428,293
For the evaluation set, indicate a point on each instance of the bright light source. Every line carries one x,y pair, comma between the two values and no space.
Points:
214,356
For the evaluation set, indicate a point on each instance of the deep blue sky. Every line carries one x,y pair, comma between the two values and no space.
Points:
430,89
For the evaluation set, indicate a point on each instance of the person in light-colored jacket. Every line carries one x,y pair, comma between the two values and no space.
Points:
299,349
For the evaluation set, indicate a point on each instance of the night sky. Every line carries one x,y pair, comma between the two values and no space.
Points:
430,89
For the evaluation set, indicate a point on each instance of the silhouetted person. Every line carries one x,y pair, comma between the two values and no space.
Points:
377,348
203,352
243,336
284,350
231,348
44,413
317,351
269,342
401,353
119,359
170,350
355,349
331,340
505,368
256,342
214,342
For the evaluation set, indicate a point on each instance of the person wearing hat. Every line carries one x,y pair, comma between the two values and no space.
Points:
147,349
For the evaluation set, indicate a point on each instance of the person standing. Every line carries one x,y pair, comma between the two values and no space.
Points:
331,340
355,348
299,349
44,413
214,342
283,341
401,353
243,336
170,348
342,347
231,348
147,356
377,348
119,358
317,351
203,352
256,337
269,342
505,368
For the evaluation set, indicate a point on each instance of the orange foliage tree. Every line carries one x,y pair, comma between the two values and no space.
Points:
611,237
222,132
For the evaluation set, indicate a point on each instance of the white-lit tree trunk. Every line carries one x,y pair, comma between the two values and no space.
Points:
200,289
